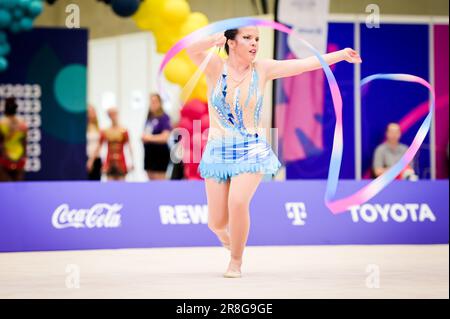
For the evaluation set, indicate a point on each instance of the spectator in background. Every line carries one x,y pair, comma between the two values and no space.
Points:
390,152
93,138
13,143
115,166
155,138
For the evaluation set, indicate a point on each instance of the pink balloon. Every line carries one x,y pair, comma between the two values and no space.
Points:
194,109
187,124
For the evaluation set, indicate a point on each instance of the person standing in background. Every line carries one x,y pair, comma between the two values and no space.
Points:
115,166
13,143
155,138
93,138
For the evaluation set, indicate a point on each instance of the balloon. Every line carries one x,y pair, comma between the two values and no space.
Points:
26,24
9,4
24,3
15,27
177,71
5,48
125,8
148,13
2,37
143,24
162,44
205,121
5,18
200,92
163,47
169,34
187,124
17,13
154,6
194,109
166,37
154,24
195,21
3,64
176,11
35,8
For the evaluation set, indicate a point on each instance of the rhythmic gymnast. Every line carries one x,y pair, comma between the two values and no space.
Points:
237,154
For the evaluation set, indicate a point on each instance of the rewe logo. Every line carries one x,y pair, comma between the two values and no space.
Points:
296,212
98,216
396,212
183,214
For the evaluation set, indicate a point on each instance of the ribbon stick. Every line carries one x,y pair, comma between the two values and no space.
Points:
365,193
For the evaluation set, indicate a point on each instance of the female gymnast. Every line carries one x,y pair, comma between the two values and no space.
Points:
237,154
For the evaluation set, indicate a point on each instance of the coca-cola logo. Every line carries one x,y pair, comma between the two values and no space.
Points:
100,215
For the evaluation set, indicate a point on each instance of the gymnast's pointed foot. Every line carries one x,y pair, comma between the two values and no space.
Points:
234,269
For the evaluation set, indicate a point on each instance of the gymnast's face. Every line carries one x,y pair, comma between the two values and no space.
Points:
246,43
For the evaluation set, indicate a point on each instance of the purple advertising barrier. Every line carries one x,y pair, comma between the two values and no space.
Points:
40,216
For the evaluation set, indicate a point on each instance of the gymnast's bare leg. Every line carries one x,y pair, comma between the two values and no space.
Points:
217,197
242,189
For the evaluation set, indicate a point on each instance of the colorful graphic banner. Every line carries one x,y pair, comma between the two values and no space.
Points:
47,76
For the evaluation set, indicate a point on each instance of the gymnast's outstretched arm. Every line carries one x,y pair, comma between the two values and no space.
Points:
275,69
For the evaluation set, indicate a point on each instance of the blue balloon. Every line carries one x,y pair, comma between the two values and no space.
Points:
17,13
15,27
5,18
9,4
2,37
35,8
26,24
5,48
24,3
125,8
3,64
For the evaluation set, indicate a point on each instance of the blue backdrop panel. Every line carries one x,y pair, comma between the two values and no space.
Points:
393,48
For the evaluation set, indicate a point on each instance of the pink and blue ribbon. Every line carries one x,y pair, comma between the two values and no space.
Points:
368,191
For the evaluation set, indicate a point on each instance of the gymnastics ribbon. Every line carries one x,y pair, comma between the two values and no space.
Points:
368,191
374,187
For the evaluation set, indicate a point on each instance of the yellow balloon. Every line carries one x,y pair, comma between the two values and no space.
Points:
172,33
155,6
195,21
177,71
162,46
147,16
144,24
166,37
201,90
192,66
175,11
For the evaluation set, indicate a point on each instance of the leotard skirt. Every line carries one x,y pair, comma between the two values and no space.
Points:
228,156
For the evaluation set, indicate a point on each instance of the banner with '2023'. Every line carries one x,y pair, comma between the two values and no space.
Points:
93,215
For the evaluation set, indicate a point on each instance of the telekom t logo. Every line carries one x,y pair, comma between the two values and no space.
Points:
296,212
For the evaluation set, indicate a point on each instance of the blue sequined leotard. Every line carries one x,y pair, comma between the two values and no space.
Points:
236,149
